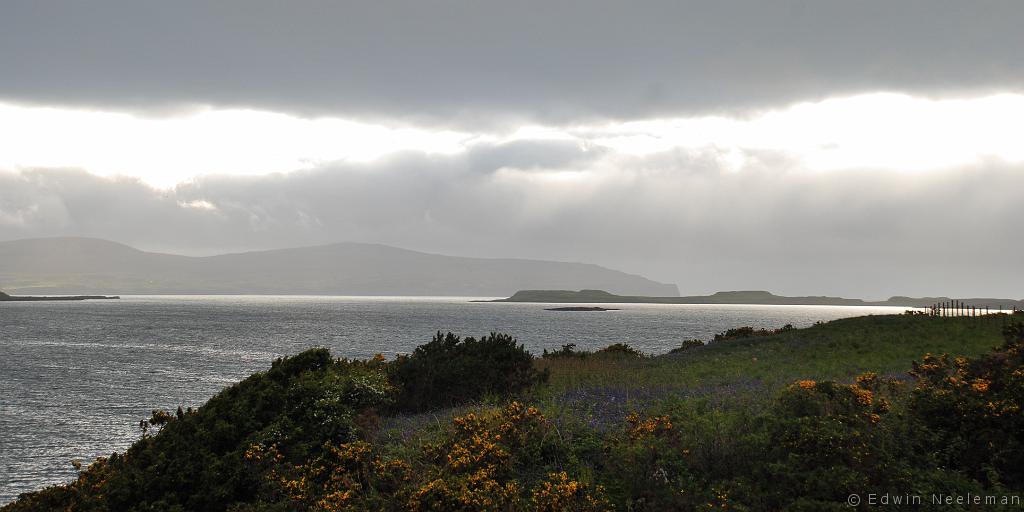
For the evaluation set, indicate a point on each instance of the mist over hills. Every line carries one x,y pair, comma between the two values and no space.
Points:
69,265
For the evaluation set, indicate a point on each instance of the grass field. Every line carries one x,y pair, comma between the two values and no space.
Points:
600,390
603,388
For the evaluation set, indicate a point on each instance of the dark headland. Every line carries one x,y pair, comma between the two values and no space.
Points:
746,297
11,298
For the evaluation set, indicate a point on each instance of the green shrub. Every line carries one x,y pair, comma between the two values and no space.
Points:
567,350
750,332
450,371
506,458
196,461
828,440
687,345
614,350
969,411
620,350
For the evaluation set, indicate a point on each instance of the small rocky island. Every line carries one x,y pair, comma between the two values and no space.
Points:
14,298
582,308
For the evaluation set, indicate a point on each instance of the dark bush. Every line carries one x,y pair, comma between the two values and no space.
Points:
619,350
568,350
687,345
615,350
750,332
450,371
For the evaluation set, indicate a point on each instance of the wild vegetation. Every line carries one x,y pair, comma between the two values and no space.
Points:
450,370
795,419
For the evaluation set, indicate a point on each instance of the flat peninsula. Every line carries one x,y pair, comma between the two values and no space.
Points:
13,298
582,308
747,297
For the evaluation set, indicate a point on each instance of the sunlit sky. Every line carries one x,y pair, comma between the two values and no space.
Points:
888,131
848,148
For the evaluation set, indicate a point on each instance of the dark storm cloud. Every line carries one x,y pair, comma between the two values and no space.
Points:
484,63
673,217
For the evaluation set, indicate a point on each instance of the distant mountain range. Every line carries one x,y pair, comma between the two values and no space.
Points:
747,297
94,266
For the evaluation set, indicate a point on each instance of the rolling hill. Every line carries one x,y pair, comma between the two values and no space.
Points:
89,265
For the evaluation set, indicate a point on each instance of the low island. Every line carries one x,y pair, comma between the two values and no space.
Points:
749,297
13,298
582,308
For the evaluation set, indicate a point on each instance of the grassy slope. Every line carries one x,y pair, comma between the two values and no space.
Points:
601,391
837,350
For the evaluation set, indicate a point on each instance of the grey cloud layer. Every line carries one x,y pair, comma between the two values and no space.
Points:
473,63
673,216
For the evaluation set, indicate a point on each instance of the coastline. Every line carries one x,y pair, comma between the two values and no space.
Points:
21,298
761,298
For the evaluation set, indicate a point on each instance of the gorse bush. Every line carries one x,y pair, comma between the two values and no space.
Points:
195,462
502,459
970,411
450,371
825,441
345,476
481,462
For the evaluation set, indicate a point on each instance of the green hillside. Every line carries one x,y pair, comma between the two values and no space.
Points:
837,350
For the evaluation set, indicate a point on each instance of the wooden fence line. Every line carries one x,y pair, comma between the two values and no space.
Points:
956,308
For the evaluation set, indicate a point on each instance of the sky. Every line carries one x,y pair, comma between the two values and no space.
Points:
866,148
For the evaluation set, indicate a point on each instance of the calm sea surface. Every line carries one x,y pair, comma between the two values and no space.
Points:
76,377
